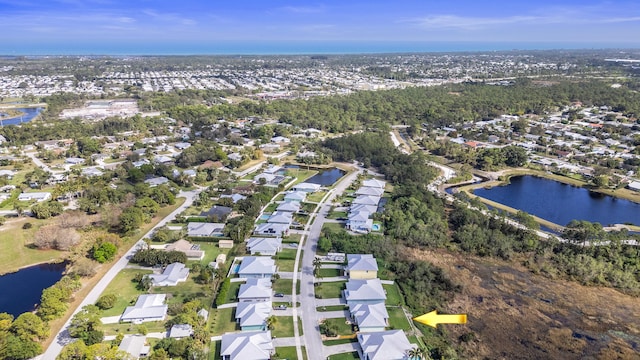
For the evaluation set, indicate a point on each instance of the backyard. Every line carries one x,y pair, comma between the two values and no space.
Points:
125,290
329,290
393,295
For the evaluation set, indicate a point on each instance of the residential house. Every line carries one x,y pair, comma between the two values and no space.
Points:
370,317
192,251
366,200
375,183
369,291
298,196
171,276
198,229
234,197
264,246
91,172
34,196
156,181
291,206
8,173
148,307
281,217
273,169
371,209
252,316
384,345
180,331
217,213
74,161
247,346
134,345
361,266
255,290
359,221
306,187
271,229
257,267
371,191
634,185
280,140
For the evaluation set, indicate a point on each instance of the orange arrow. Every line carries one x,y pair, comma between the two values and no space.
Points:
433,319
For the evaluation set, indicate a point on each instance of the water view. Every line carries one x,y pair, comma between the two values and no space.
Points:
326,177
21,290
561,203
28,115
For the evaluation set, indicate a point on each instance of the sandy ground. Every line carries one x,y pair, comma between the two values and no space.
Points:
516,314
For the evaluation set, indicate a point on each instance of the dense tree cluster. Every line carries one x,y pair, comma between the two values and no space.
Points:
153,257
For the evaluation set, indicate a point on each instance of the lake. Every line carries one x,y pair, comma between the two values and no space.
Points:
29,114
326,177
20,291
560,203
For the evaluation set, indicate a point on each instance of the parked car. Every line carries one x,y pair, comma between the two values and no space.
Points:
280,307
278,295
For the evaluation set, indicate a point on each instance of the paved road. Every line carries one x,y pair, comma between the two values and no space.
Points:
63,338
315,349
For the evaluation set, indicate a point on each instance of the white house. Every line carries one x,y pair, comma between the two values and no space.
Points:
281,217
384,345
148,307
198,229
291,206
252,316
156,181
171,276
367,291
264,246
257,267
372,191
359,221
134,345
37,196
270,229
367,200
255,290
370,317
374,183
247,346
179,331
295,196
306,187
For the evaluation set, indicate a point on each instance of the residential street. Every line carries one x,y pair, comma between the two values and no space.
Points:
62,338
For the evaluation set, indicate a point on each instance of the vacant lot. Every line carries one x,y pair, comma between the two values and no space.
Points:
15,246
515,314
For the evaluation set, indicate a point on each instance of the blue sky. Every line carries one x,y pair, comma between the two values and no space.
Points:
138,22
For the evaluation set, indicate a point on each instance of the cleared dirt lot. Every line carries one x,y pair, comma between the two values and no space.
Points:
515,314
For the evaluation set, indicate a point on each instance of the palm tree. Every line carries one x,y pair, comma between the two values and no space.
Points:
317,264
418,353
271,322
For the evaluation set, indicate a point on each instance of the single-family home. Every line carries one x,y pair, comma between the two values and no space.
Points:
271,229
257,267
217,213
280,140
359,221
370,317
384,345
134,345
256,345
273,169
171,276
179,331
198,229
371,209
306,187
366,200
234,197
264,246
255,290
156,181
252,316
369,291
298,196
74,161
374,183
361,266
281,217
148,307
291,206
9,174
91,172
34,196
192,251
371,191
634,185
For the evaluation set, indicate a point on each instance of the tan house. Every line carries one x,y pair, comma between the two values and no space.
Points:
225,244
361,266
192,251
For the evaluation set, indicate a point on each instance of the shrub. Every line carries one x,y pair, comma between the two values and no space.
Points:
222,294
27,226
106,301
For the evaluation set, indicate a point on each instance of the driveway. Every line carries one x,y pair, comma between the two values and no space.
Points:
288,341
330,302
110,319
333,314
339,349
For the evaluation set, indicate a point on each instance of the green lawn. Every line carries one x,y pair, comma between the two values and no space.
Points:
341,325
224,321
15,245
316,196
288,353
283,327
271,208
128,328
293,238
330,290
125,289
285,265
285,259
184,292
329,273
232,295
337,214
397,319
345,356
300,174
333,226
393,295
211,251
339,341
332,308
283,286
214,350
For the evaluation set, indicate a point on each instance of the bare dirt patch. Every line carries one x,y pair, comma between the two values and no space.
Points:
516,314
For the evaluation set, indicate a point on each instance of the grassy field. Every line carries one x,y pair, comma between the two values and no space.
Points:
397,320
284,286
283,327
285,260
330,290
15,249
316,196
393,295
332,308
337,214
232,295
329,273
339,341
341,325
345,356
214,350
211,251
288,353
128,328
292,238
184,292
224,321
125,289
333,226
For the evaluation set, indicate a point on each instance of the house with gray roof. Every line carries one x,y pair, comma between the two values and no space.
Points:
366,200
135,346
252,316
179,331
372,191
359,221
384,345
264,246
255,290
156,181
148,307
370,317
255,345
171,276
234,197
298,196
198,229
37,196
374,183
271,229
371,209
361,266
306,187
368,291
281,217
257,267
217,212
291,206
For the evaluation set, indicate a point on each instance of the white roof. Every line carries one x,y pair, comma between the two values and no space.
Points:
367,200
180,331
296,196
281,217
204,229
361,262
361,216
305,186
134,345
255,345
253,313
271,229
264,245
171,275
364,290
374,183
369,315
385,345
289,206
370,191
147,306
257,265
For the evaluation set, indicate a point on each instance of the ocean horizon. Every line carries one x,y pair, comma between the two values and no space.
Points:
292,48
